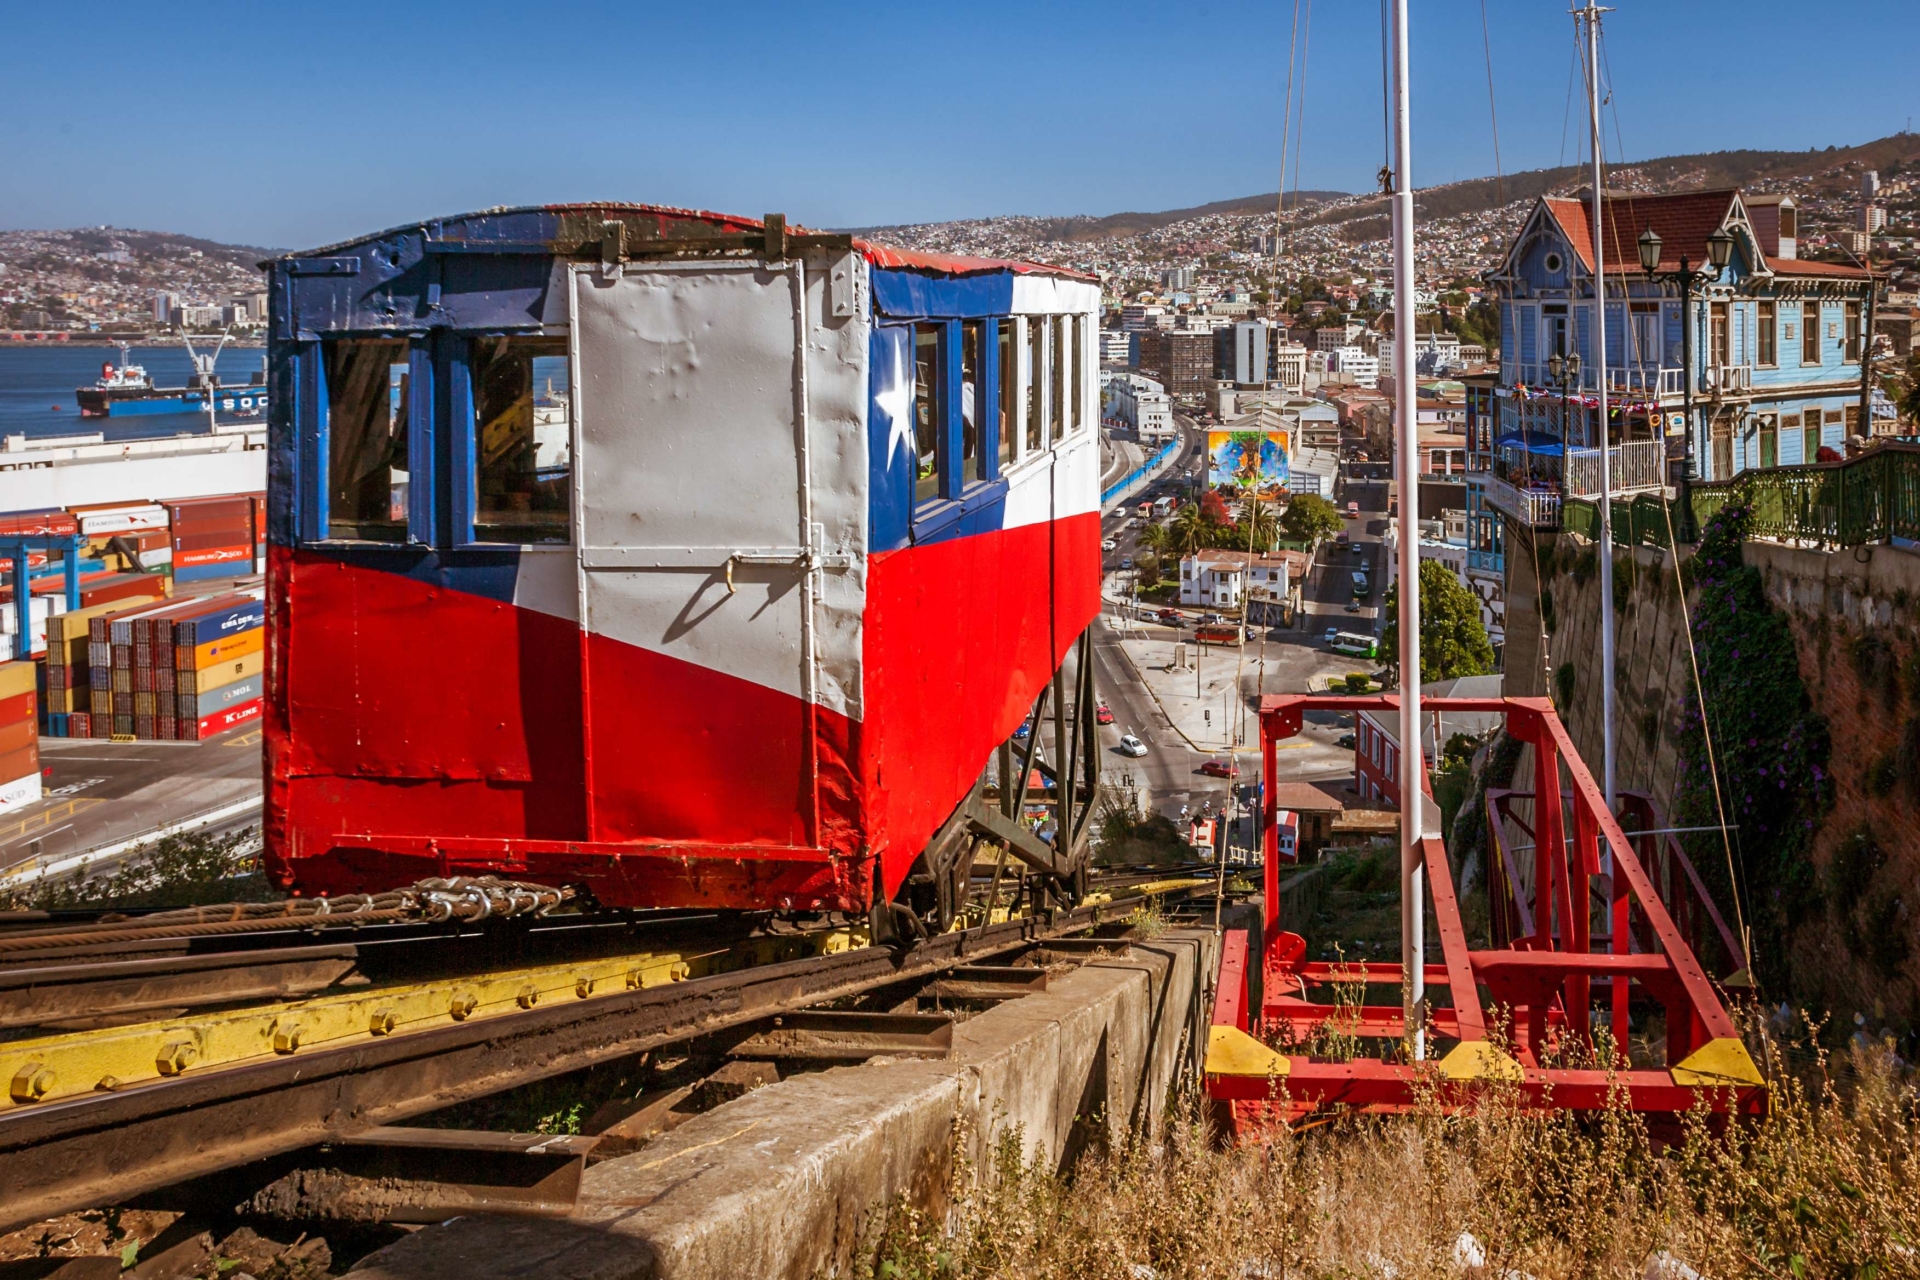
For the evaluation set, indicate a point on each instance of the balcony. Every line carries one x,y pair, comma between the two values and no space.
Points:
1641,379
1486,562
1637,464
1727,379
1533,506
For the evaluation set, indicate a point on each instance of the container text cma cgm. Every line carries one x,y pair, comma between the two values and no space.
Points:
824,521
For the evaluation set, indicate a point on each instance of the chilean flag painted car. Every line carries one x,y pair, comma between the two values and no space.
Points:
809,529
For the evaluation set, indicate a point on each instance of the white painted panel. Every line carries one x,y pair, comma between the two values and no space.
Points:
134,479
687,397
1051,295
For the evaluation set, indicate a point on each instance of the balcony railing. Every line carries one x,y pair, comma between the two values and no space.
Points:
1486,561
1645,379
1726,378
1536,507
1637,464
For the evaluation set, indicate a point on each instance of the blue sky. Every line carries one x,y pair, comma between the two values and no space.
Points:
291,125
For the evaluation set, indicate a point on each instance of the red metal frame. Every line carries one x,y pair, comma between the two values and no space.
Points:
1542,975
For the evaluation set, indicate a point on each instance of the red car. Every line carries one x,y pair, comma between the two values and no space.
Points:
1103,714
1172,617
1220,769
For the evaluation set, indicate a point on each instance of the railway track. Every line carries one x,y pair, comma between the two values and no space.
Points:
144,1052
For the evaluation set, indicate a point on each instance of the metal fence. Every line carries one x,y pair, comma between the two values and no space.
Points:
1871,498
1637,464
1642,519
1139,473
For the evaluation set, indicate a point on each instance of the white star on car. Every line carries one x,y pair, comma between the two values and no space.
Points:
896,403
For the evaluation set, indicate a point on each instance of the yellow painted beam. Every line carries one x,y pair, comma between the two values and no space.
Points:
1717,1064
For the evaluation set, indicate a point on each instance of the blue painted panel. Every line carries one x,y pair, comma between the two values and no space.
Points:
913,295
1583,336
890,448
1529,335
490,572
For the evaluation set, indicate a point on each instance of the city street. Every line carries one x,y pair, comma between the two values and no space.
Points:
1181,713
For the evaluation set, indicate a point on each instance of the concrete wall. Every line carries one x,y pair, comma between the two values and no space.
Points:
780,1182
1856,621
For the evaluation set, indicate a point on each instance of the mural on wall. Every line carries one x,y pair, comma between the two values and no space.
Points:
1254,461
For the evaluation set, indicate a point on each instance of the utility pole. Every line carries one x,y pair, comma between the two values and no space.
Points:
1590,15
1413,803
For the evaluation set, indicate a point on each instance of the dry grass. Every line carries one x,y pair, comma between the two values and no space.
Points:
1829,1185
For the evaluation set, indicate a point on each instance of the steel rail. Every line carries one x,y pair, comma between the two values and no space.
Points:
104,1148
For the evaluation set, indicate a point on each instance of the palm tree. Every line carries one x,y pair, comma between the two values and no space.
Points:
1258,527
1190,530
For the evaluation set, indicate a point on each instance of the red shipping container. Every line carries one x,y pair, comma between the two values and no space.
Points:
241,553
20,763
212,533
220,721
80,725
121,586
36,523
18,735
21,706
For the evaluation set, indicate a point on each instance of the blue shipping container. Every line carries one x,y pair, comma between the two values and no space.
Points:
229,620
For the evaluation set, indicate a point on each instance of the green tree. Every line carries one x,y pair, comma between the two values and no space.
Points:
1310,518
1190,530
1453,640
1910,396
1155,538
1257,528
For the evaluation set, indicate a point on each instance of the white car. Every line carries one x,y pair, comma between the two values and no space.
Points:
1109,545
1332,632
1132,746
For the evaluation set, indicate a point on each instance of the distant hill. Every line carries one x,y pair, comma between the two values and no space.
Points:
1363,217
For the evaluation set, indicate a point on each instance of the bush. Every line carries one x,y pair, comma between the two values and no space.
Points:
1358,683
186,870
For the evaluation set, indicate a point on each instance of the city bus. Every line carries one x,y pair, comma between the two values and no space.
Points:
1355,645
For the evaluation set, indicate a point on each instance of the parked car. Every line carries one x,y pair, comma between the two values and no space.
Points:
1220,769
1207,619
1132,746
1020,734
1328,638
1345,740
1172,617
1103,714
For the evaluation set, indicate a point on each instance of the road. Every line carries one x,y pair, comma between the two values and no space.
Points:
1294,660
98,793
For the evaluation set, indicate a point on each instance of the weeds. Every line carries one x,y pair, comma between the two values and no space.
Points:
1827,1185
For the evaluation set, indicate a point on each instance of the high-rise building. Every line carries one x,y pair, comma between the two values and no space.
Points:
1176,278
1869,186
164,306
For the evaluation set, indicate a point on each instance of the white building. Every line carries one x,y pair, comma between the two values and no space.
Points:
1445,541
164,307
1116,346
1355,364
1140,403
1289,366
1217,578
1176,278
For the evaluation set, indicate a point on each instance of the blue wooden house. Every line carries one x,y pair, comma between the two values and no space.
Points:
1775,350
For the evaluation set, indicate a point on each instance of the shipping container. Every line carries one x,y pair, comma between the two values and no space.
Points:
220,721
220,673
248,689
121,518
225,649
21,792
17,678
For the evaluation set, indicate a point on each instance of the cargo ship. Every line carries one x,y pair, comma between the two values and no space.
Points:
125,390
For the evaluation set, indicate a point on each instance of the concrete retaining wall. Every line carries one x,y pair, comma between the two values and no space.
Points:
780,1182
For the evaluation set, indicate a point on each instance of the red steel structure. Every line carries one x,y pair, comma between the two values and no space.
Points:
1509,1010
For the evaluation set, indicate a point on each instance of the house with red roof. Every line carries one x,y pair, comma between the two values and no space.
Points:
1756,363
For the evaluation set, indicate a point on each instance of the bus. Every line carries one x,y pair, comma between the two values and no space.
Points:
1355,645
1162,506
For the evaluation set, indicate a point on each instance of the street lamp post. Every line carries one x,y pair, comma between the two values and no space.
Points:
1719,253
1565,372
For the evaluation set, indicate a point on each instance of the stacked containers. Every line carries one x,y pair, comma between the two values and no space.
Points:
219,659
19,736
112,528
68,674
110,674
215,537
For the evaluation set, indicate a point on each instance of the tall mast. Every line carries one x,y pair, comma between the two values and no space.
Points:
1590,15
1413,803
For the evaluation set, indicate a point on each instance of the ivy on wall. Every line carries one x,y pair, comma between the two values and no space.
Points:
1772,748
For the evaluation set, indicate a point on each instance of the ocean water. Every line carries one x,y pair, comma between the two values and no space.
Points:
37,384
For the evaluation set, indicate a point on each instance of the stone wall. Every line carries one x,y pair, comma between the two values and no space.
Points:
1856,621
